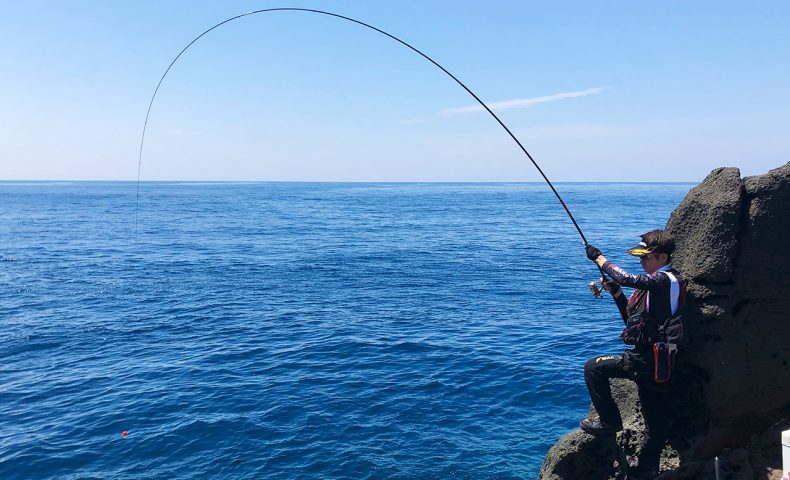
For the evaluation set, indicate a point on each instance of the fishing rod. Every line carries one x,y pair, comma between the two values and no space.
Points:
371,27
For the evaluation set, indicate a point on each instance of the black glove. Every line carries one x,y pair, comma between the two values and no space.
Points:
592,252
610,285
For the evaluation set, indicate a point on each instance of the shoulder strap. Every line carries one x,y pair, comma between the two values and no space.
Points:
674,292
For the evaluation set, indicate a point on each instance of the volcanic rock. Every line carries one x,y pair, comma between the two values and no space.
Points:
730,395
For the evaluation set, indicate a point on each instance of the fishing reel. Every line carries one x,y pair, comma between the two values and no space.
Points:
595,289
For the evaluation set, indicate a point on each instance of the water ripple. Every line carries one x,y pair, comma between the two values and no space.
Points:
293,331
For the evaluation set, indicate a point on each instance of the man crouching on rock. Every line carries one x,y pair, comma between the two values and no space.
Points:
648,313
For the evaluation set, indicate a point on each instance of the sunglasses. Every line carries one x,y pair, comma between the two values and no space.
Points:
645,257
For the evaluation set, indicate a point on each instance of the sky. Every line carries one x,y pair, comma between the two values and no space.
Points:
595,91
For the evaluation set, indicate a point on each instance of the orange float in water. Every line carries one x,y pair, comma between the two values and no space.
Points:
124,434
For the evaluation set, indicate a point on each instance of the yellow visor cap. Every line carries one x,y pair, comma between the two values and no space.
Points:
639,250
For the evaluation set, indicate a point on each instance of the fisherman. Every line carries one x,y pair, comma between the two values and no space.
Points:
657,297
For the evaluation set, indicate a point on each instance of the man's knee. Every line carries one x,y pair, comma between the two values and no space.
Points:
589,367
597,365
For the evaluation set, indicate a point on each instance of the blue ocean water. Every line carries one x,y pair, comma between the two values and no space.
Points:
300,331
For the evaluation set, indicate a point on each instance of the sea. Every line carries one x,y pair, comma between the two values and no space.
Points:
303,330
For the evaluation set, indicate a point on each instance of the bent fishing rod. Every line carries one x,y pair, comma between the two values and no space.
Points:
371,27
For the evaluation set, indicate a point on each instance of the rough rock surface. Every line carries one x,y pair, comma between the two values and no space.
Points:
730,388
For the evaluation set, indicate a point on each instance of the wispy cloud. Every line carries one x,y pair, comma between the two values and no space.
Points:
522,102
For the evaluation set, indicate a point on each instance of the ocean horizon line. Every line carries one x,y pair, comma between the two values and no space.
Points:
341,182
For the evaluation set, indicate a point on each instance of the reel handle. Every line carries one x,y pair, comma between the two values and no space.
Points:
595,289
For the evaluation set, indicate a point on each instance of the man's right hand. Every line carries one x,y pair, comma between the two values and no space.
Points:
592,252
610,285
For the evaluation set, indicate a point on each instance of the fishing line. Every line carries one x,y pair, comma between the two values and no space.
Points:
371,27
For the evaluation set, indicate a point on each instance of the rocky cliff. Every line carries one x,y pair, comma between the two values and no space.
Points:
731,391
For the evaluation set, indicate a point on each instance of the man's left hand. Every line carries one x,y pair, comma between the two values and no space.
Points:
592,252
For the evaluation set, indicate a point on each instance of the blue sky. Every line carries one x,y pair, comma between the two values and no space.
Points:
596,91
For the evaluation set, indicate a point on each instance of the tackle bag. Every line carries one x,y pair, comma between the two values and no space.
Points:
663,359
639,330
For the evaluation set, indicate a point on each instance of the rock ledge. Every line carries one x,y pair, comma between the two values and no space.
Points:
730,389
